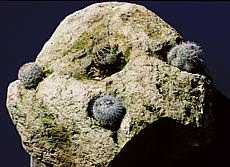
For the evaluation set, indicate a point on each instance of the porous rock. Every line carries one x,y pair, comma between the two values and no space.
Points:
52,119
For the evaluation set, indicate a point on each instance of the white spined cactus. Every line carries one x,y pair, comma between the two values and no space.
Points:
108,111
186,56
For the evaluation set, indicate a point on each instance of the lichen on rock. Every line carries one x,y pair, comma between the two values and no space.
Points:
110,48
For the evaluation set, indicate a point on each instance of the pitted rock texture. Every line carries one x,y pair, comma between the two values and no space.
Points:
52,119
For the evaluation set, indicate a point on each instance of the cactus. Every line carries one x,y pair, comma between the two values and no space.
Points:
186,56
108,111
105,57
107,60
30,74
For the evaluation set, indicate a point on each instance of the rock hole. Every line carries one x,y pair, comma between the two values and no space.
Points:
150,108
106,61
114,136
194,84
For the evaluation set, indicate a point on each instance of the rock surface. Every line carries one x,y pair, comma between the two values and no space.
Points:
52,119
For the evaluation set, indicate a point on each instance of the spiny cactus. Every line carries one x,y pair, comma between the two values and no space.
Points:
30,74
108,111
107,60
186,56
105,56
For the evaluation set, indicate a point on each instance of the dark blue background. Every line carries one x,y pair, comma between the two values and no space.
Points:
26,26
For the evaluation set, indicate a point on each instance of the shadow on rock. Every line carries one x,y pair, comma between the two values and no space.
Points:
164,143
221,129
168,143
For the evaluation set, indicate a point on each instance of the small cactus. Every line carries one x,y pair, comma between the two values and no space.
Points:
186,56
30,74
107,60
108,111
105,57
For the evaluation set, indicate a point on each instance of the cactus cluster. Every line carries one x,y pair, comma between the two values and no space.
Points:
30,74
186,56
108,111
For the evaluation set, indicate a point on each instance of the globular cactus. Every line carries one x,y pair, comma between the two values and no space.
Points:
105,57
30,74
186,56
108,111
